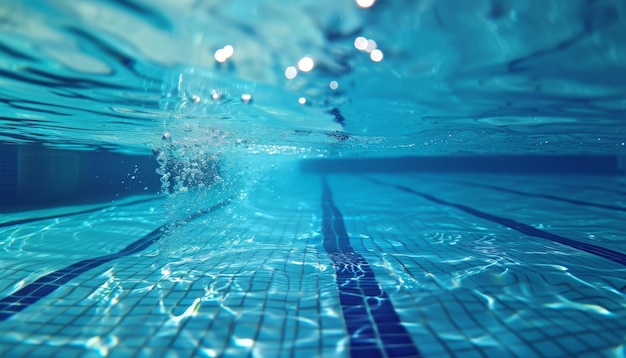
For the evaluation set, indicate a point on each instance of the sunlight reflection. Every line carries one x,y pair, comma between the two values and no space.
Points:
565,303
190,311
243,342
102,344
216,95
246,98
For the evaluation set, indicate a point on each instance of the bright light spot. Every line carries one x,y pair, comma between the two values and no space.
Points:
195,98
363,44
216,95
220,56
306,64
246,98
291,72
360,43
371,45
102,345
302,100
224,53
376,55
228,51
365,3
209,352
334,85
244,342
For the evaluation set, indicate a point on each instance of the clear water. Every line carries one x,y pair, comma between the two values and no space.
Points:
230,248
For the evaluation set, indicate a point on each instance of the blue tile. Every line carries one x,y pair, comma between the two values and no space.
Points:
391,328
350,300
382,317
369,352
45,290
10,299
354,326
407,350
29,299
363,342
372,291
355,314
395,339
10,309
27,290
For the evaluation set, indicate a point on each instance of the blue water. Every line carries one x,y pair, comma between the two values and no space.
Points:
323,178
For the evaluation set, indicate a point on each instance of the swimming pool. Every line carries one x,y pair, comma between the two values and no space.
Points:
276,179
337,268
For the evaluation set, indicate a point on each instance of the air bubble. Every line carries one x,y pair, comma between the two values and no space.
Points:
291,72
360,43
376,55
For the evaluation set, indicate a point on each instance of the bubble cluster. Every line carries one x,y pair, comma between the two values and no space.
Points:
368,46
191,162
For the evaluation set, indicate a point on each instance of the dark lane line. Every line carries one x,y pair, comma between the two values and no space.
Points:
370,317
544,196
45,285
608,254
29,220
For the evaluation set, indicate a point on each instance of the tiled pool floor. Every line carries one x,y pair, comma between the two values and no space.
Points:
272,275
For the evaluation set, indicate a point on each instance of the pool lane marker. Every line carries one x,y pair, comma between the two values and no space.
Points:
85,211
600,251
543,196
374,326
45,285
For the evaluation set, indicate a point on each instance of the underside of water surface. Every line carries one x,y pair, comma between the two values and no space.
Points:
481,77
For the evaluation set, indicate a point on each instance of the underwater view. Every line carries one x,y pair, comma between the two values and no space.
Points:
313,178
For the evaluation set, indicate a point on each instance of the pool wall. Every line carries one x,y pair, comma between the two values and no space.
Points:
483,164
33,176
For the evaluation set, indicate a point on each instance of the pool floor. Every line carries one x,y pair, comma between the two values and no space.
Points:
390,266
